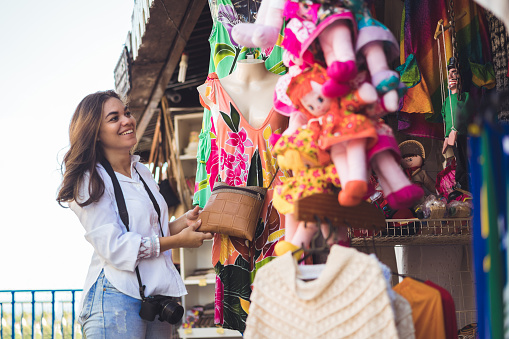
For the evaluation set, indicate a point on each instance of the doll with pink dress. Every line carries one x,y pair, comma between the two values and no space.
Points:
337,128
327,33
327,147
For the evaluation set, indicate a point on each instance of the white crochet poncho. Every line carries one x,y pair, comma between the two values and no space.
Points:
348,300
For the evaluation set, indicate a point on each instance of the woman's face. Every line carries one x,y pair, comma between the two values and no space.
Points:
118,126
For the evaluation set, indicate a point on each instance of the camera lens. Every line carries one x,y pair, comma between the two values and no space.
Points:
171,311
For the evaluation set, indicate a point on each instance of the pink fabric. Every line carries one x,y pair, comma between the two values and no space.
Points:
297,31
446,180
282,102
386,142
345,15
218,302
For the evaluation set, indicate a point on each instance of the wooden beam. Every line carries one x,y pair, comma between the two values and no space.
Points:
186,27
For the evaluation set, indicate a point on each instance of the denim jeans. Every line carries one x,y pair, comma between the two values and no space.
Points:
109,314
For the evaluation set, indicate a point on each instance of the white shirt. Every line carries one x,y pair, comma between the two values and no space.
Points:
115,249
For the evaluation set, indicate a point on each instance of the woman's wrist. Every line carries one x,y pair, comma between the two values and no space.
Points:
168,243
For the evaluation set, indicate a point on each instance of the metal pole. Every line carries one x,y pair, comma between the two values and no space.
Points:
73,312
13,320
21,319
33,314
52,314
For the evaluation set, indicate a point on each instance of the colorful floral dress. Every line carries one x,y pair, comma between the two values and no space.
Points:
241,156
224,54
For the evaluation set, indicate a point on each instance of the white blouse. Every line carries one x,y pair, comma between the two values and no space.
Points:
116,251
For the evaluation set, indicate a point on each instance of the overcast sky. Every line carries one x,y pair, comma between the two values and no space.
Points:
52,54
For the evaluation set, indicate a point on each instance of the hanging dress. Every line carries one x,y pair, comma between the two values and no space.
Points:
241,156
224,54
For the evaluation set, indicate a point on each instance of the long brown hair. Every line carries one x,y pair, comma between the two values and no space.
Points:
85,151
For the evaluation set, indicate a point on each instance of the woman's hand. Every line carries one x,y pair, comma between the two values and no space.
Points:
190,238
185,220
192,215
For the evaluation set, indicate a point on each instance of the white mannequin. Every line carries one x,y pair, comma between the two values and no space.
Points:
251,87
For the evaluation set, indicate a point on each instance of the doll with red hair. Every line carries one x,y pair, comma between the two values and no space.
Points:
338,129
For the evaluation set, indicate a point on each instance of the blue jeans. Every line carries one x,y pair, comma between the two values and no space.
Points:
109,314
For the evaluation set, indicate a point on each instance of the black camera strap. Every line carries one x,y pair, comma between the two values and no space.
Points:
153,199
122,209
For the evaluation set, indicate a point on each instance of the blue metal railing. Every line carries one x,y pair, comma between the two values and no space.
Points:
49,313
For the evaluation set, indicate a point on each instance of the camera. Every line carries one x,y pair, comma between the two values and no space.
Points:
165,307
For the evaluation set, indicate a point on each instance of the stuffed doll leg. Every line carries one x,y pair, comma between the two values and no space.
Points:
385,80
265,31
355,184
398,190
297,235
338,50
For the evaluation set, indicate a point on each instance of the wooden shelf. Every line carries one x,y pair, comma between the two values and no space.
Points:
208,332
200,282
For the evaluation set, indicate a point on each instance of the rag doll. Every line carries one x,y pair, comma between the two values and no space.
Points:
338,129
312,173
327,33
413,156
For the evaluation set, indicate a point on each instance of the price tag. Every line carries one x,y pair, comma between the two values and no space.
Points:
188,331
202,282
220,330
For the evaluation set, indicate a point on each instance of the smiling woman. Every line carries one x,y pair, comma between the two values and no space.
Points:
102,135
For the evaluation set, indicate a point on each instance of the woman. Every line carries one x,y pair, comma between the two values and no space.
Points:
102,128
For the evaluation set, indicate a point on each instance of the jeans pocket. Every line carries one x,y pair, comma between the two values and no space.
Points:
107,286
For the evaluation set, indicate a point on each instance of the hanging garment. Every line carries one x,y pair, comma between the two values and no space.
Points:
419,49
479,238
401,307
348,300
426,304
241,155
403,318
224,54
500,50
451,327
492,184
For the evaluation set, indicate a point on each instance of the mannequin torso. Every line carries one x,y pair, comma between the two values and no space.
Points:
251,88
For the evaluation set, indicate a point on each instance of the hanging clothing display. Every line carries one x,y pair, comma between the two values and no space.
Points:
240,156
500,50
419,57
449,311
348,300
403,318
489,149
426,304
224,54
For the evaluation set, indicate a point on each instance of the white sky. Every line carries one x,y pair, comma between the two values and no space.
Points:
52,54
